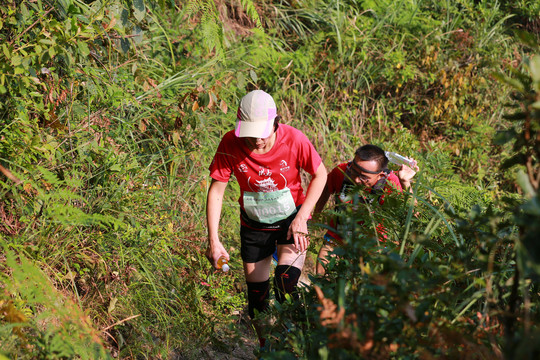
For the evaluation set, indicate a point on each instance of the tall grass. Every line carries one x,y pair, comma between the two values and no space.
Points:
112,154
415,292
114,214
383,77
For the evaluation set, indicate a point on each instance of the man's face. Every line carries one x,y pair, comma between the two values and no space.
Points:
365,173
258,143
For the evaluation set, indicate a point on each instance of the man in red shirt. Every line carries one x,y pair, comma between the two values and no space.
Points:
368,169
266,158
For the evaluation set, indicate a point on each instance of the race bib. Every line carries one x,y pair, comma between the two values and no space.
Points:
269,207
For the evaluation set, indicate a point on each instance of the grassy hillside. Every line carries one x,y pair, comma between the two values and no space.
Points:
111,111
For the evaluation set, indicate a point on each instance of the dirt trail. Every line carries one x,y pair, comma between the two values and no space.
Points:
244,348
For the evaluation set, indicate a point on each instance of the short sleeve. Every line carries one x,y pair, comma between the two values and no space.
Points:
221,166
335,179
394,182
309,159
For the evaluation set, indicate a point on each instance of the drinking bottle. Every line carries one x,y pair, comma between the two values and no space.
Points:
222,264
397,159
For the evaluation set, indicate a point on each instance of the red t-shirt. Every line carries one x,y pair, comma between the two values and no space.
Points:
277,169
335,185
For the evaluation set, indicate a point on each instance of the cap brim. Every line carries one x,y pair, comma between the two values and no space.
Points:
257,129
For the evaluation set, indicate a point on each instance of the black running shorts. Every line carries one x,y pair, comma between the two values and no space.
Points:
258,241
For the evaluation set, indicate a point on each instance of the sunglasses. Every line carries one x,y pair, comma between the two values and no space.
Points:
355,171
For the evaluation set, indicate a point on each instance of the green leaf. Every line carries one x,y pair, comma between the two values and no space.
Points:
535,68
139,35
139,10
253,76
116,167
112,305
6,51
83,48
176,138
123,45
121,14
241,81
16,60
24,12
516,84
323,353
124,18
46,41
527,38
525,184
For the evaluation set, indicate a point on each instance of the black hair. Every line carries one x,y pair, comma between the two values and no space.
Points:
372,153
276,122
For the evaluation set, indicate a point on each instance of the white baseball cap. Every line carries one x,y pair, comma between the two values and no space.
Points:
256,114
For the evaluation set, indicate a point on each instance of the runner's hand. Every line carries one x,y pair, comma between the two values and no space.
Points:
214,251
299,231
405,173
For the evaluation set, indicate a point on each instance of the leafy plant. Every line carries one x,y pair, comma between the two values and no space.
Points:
41,321
111,111
466,289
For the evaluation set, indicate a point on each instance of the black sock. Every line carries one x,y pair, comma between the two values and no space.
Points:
285,281
257,296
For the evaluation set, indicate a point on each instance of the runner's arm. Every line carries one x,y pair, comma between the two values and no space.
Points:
298,228
214,203
323,199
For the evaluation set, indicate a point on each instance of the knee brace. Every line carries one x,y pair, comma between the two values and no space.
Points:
257,296
285,281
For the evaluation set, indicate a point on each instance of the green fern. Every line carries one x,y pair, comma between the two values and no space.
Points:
69,332
212,28
251,11
193,7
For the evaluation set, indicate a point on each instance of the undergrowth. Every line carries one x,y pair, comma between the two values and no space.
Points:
110,112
